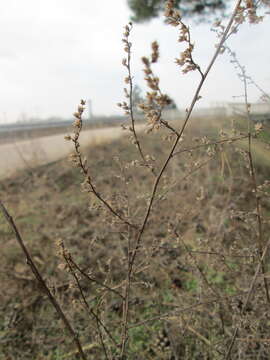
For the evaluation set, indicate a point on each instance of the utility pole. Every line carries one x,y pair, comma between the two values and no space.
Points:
90,109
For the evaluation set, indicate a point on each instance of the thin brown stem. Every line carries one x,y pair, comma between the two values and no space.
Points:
90,311
168,126
217,142
250,291
259,218
131,110
181,310
90,278
83,165
42,282
253,177
126,300
194,261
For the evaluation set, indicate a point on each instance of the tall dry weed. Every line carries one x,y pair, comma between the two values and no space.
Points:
183,259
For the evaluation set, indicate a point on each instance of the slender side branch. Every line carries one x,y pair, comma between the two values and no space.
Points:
129,109
181,310
217,142
90,278
243,77
250,291
90,311
82,164
42,282
259,219
194,261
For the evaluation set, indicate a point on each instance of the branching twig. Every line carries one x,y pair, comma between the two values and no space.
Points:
77,159
67,257
217,142
90,278
174,313
129,110
194,261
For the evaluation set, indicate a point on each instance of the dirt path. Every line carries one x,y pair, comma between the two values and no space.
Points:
19,155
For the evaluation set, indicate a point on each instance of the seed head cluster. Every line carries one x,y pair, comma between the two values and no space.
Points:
248,11
75,157
126,63
156,101
173,17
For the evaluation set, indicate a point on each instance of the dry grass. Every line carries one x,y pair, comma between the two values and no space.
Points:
56,209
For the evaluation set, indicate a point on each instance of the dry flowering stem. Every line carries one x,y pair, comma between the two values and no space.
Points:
42,282
217,142
243,75
154,83
156,100
185,61
128,108
249,11
259,217
170,155
244,78
246,12
78,160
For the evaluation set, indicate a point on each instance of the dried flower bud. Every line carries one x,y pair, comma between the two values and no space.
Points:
80,109
77,123
77,115
155,52
145,60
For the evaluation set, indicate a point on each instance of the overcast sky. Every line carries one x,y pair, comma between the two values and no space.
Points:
55,52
